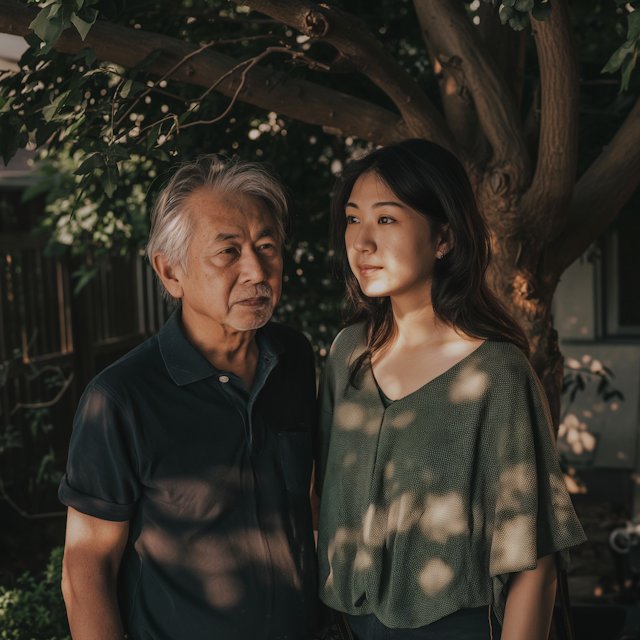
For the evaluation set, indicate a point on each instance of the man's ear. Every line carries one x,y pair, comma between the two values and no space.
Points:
169,275
445,243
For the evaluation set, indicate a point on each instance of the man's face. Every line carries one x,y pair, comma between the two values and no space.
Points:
234,272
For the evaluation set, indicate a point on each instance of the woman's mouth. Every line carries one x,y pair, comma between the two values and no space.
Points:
368,269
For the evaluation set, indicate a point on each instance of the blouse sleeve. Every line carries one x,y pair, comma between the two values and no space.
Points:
533,513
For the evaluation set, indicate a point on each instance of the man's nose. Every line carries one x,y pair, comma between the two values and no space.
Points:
252,268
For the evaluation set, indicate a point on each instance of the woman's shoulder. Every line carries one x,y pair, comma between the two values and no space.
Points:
504,361
349,339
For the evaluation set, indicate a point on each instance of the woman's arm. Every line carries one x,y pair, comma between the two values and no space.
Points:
530,602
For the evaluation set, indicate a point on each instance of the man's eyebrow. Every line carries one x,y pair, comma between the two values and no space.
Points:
390,203
267,231
221,237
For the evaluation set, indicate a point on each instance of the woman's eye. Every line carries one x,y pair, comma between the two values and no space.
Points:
352,220
385,220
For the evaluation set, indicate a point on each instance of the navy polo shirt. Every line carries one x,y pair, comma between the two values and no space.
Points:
214,480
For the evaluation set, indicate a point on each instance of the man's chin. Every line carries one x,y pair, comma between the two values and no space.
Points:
250,320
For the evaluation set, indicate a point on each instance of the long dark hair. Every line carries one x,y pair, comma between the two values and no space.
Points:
430,180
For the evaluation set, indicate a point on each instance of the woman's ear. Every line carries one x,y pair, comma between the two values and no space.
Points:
445,240
169,275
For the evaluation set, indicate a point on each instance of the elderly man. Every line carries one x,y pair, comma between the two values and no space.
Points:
190,461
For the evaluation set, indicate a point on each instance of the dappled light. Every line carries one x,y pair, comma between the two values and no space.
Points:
469,385
444,516
435,576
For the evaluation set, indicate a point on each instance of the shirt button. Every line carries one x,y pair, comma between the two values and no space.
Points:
224,378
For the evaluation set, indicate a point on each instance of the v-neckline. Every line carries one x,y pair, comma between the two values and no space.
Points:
426,384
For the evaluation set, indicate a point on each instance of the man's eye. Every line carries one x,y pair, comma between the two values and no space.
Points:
352,220
267,246
229,250
385,220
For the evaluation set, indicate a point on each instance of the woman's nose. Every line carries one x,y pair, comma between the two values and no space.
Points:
363,240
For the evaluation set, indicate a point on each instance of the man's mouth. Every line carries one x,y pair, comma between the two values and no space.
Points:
253,302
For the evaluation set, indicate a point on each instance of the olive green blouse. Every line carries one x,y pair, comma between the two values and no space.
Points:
428,504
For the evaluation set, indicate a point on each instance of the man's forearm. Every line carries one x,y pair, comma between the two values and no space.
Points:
89,590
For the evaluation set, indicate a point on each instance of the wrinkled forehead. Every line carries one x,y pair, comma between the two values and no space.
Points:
223,213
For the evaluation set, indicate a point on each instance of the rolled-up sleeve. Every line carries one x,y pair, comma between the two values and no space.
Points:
102,478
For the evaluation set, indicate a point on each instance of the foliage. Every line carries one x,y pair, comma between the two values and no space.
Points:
36,421
34,609
110,135
626,56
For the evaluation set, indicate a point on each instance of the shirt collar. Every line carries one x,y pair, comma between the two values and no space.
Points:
186,364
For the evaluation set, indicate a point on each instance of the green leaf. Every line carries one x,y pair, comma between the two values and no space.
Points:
153,136
509,3
541,10
524,5
627,67
506,13
616,60
6,106
633,31
50,23
83,26
74,126
109,179
116,154
160,154
49,111
184,116
87,54
44,132
93,162
130,88
519,21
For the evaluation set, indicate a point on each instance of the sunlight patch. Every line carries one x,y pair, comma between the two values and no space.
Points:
444,516
469,385
435,576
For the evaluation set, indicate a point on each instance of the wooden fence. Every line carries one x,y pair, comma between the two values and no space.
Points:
52,342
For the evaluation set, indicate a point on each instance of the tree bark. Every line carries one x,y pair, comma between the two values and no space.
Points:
357,45
538,229
305,101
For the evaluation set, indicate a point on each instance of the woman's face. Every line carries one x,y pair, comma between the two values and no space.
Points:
390,247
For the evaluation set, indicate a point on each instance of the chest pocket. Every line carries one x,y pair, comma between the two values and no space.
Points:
297,460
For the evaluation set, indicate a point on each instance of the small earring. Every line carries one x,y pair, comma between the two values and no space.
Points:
439,255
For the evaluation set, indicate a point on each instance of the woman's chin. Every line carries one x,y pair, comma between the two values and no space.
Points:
373,291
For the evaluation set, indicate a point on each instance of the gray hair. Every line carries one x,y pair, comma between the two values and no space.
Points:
171,227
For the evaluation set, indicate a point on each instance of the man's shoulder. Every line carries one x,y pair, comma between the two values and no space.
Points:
141,362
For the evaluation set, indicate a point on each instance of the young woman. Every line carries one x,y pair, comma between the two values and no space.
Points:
443,510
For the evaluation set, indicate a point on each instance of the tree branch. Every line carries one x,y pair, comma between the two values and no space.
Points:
355,43
506,46
302,100
458,106
547,203
601,193
458,42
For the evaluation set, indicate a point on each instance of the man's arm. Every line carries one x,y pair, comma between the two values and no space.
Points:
92,554
530,602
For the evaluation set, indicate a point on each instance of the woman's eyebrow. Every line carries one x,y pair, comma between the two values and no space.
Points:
388,204
377,204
